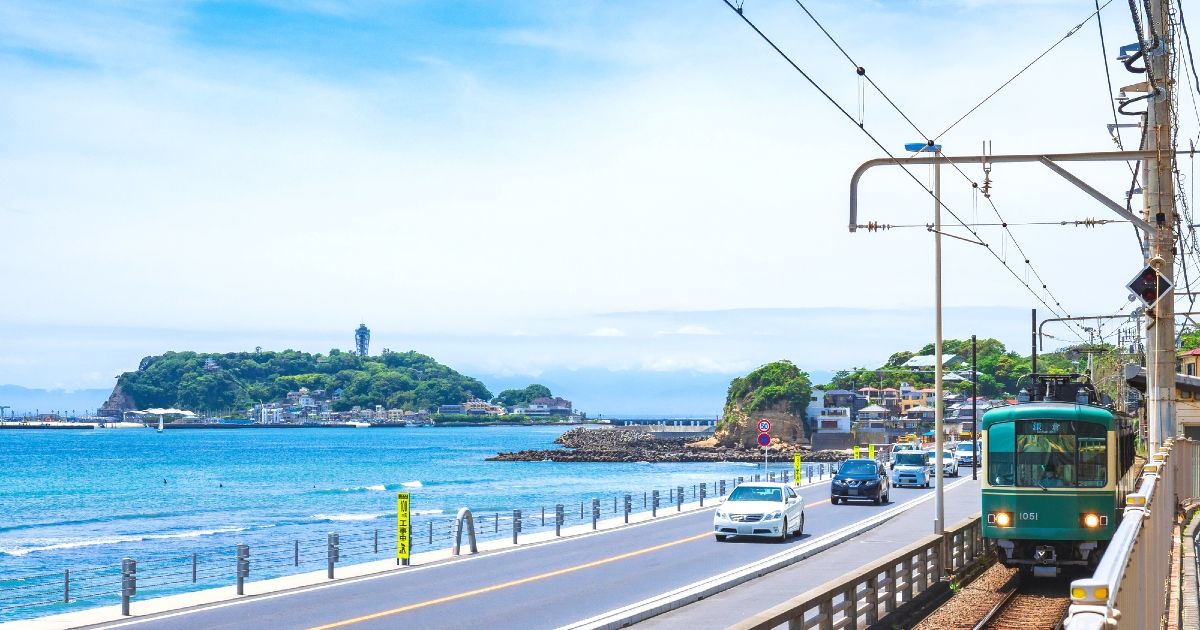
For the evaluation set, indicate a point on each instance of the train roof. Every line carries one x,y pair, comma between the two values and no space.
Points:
1064,411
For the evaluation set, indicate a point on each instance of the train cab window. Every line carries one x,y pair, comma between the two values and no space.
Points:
1000,454
1093,455
1046,454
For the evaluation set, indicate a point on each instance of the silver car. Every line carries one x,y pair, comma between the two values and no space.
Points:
760,508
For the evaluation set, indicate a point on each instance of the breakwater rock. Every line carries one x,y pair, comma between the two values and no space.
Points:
637,445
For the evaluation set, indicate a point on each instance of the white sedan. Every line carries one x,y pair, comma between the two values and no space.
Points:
760,508
949,462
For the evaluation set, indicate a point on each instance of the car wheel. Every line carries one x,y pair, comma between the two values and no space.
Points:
800,530
926,483
720,537
887,496
783,533
878,499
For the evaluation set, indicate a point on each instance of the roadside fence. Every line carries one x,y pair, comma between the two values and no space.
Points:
29,596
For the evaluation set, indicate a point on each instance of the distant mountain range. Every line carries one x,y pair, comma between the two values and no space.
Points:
23,400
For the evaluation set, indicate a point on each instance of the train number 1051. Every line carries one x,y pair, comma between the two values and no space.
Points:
1029,516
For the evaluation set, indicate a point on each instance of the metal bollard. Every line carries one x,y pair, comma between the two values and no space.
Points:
516,524
243,567
296,553
496,529
543,516
128,583
193,567
332,552
628,507
66,586
644,506
595,512
741,480
430,533
558,519
377,541
703,493
671,494
722,493
581,510
654,504
679,499
614,505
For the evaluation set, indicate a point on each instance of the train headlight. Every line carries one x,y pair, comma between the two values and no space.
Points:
1092,521
1000,519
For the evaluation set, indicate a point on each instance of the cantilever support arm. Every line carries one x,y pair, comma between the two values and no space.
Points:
1098,196
1049,159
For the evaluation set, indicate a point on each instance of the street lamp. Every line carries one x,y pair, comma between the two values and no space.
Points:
939,508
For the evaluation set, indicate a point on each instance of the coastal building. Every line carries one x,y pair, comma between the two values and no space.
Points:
451,409
816,402
833,428
928,361
553,406
478,407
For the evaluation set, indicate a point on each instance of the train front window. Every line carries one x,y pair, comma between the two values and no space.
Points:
1045,453
1000,454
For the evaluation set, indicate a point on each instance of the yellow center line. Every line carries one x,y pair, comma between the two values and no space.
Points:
496,587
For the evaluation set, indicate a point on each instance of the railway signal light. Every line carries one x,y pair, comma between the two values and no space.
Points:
1149,286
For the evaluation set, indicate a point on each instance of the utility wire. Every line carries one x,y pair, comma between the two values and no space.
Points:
942,204
863,73
1027,66
1108,76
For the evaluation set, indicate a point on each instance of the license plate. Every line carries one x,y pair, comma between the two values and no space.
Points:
853,492
744,529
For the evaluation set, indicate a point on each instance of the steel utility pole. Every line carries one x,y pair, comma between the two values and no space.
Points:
939,507
1159,210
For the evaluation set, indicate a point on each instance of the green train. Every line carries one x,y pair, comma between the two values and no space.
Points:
1057,468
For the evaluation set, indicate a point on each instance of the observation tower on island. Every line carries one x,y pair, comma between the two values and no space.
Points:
362,339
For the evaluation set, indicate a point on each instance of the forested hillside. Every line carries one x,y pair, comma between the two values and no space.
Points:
238,380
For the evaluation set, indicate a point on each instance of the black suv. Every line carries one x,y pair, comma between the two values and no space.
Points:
860,479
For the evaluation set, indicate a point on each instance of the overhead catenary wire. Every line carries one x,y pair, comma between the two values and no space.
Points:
1022,70
862,73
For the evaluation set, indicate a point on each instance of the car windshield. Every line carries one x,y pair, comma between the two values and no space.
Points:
857,468
963,448
910,459
756,493
945,454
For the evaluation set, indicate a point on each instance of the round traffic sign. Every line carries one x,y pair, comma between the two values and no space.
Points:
764,425
764,439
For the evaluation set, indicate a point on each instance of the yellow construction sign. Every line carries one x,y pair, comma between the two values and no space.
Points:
403,529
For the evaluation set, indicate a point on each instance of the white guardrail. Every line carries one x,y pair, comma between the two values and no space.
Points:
1130,586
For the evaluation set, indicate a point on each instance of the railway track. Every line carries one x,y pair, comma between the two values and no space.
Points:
1000,599
1034,604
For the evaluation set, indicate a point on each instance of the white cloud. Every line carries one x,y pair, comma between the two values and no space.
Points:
690,329
607,331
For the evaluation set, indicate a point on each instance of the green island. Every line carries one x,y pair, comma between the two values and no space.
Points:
292,385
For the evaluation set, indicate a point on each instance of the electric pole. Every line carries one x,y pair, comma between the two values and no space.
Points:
1158,201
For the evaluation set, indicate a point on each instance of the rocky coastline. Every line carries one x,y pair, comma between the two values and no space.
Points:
632,444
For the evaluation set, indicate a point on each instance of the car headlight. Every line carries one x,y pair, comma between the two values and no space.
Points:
721,514
777,514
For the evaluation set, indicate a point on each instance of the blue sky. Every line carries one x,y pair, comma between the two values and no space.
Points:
534,188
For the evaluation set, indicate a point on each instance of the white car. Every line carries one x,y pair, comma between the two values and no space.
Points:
904,447
949,462
962,452
761,508
912,468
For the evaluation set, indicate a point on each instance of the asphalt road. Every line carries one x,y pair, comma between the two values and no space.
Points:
544,585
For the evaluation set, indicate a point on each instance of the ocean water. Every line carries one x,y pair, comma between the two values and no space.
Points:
83,500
